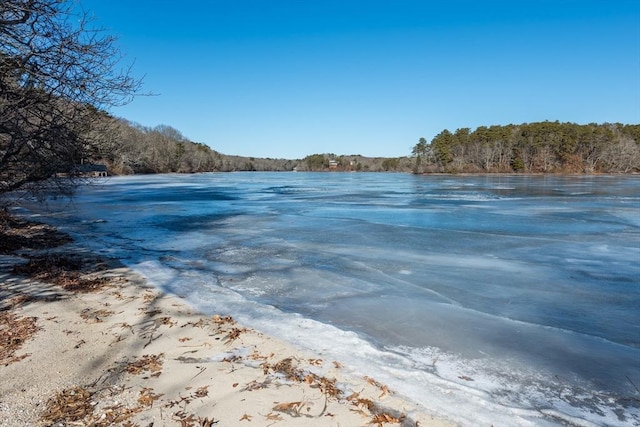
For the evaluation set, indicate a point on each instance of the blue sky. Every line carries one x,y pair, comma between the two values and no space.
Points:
285,79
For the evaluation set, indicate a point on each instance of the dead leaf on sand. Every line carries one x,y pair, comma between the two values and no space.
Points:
167,321
289,408
201,323
18,234
361,403
221,320
14,332
206,422
384,418
234,334
255,385
273,417
148,297
68,271
148,362
147,397
383,388
15,302
288,367
73,404
202,391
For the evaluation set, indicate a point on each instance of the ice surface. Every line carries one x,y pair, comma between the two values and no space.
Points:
505,300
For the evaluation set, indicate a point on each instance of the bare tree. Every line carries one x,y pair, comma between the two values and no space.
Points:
622,156
56,75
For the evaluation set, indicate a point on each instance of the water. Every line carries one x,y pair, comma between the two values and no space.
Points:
504,300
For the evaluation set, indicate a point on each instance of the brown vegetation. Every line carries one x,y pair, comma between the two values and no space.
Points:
14,332
17,234
71,272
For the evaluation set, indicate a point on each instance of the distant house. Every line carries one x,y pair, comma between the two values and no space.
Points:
333,164
91,170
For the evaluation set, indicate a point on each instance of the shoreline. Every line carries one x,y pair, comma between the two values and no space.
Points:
96,345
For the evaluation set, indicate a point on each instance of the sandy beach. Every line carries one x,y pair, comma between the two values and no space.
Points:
86,342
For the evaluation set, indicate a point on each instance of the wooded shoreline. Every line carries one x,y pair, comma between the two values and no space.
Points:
543,147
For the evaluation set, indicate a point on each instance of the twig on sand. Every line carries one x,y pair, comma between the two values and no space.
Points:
151,339
202,369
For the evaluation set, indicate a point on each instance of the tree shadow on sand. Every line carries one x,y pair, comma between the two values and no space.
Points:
35,267
40,265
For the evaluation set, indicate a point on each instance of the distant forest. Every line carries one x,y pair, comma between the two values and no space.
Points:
129,148
543,147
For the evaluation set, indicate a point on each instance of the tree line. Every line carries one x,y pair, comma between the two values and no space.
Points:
354,163
59,75
541,147
130,148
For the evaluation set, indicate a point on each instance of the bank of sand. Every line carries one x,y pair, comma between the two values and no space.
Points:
87,342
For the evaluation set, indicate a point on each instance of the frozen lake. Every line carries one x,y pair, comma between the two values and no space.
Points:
512,300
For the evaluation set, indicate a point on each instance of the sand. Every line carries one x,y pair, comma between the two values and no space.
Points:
88,343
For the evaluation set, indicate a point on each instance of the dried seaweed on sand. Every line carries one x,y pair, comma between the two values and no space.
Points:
14,332
72,404
68,271
148,362
16,234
